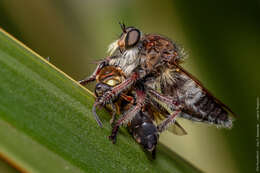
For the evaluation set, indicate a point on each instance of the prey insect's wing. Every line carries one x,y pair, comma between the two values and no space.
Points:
177,129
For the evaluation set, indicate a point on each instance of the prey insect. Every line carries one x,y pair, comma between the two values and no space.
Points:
153,62
145,125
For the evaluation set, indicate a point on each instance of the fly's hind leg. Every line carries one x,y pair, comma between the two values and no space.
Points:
168,121
128,115
172,103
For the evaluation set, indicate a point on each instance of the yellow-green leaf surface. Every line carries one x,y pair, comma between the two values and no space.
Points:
46,124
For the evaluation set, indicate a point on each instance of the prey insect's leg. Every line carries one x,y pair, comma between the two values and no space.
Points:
128,116
95,73
168,121
95,114
154,153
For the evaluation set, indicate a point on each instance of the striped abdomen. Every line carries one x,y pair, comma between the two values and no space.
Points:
202,106
206,109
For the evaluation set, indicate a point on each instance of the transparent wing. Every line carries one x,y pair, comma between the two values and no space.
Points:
177,129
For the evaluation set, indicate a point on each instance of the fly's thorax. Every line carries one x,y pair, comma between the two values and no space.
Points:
159,49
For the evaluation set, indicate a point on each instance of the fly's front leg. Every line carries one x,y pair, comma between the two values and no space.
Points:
172,103
128,115
95,73
110,95
113,118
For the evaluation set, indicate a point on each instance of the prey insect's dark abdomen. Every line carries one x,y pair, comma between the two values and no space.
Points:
144,131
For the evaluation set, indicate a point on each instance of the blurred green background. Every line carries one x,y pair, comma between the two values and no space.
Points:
221,37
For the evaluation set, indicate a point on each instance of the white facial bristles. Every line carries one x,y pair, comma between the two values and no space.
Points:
112,47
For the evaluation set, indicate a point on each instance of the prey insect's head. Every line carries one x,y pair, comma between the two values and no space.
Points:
101,88
129,38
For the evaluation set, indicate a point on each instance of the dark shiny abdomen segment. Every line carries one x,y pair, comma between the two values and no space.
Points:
144,131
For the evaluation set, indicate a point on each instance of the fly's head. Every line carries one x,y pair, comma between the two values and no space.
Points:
126,50
129,38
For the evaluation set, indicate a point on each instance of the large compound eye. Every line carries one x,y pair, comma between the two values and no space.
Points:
132,38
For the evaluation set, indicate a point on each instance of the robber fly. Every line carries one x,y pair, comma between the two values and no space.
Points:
145,124
153,62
